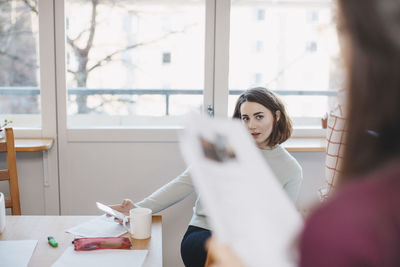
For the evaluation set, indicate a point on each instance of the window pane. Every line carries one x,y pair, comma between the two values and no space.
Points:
290,47
19,64
134,63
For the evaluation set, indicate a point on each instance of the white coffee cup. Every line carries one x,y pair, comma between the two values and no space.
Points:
2,212
140,223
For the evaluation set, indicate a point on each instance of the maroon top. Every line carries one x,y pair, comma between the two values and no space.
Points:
359,226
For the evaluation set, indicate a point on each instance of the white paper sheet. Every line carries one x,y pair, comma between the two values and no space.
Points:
247,206
101,226
16,253
101,258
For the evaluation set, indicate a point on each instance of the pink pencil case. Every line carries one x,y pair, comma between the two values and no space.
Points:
93,243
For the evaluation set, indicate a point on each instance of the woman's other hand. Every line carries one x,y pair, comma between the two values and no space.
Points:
125,206
221,255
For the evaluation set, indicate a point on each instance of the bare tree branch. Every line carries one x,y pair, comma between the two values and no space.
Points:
33,7
73,45
110,56
72,42
92,25
79,35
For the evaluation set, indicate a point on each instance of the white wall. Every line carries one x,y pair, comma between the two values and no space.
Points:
109,172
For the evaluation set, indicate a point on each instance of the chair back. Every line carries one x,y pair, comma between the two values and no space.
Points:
10,173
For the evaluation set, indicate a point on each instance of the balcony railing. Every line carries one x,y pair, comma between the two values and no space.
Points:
29,91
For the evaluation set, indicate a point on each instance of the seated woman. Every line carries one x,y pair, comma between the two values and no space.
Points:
266,119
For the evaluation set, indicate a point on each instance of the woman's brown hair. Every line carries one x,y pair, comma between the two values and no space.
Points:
373,94
282,129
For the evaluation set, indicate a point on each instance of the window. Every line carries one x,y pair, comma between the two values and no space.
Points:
311,46
259,46
257,78
312,16
115,77
260,14
299,60
19,64
166,58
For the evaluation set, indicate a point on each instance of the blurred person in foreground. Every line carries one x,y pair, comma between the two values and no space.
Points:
359,225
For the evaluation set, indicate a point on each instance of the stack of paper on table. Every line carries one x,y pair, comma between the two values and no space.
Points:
16,253
100,258
101,226
246,206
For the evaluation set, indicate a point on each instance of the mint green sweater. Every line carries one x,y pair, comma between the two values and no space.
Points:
285,167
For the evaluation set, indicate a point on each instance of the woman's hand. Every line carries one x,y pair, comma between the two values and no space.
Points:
125,206
221,255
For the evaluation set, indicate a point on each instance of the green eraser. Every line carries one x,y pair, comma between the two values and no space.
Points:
52,241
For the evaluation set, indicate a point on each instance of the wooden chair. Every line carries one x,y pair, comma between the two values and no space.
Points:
11,172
